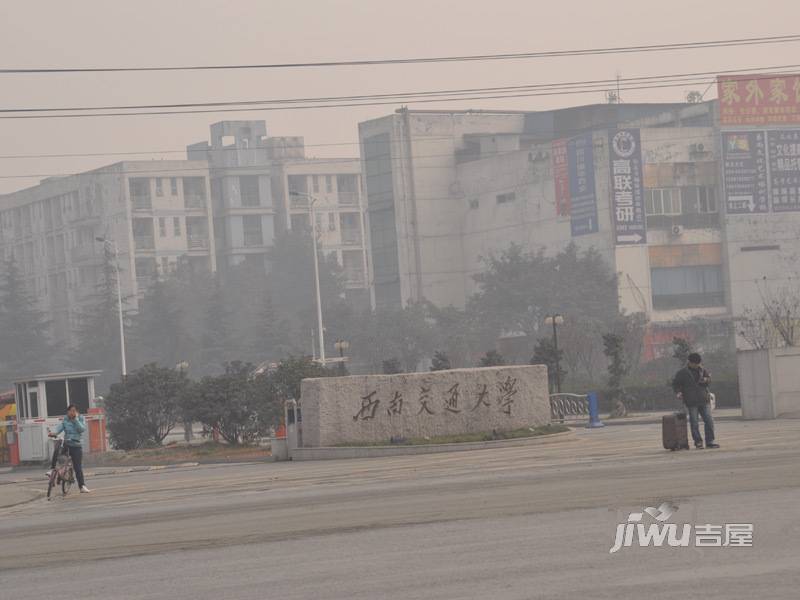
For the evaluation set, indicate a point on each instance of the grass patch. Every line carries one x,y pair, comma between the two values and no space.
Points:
177,453
525,432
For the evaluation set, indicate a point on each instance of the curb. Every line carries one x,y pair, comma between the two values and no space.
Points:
120,471
345,452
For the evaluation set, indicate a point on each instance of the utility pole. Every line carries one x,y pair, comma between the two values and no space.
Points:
555,321
113,245
312,215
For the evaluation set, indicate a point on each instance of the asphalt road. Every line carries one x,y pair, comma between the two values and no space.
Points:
534,522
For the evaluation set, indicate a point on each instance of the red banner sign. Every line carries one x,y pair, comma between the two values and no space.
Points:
561,177
760,99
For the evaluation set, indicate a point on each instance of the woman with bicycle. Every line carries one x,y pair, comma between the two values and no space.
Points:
73,427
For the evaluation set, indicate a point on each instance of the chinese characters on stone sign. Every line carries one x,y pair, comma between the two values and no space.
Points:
627,187
452,400
761,99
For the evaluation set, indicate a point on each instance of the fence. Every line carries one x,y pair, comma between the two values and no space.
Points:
575,407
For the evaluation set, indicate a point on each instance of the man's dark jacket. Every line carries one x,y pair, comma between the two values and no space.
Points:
687,382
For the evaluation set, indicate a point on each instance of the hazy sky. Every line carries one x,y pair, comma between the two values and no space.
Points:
160,32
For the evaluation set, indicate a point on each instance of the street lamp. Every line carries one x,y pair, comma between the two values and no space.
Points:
555,321
110,243
312,216
342,346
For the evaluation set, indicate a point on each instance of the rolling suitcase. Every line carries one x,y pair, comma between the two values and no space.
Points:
674,432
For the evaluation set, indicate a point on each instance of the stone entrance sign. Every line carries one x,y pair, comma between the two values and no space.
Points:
375,408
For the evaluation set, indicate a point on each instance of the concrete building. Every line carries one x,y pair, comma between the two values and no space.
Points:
445,188
156,212
260,186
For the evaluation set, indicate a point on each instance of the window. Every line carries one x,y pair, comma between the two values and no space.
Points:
248,186
165,264
662,201
176,226
699,200
687,287
506,198
56,392
173,186
474,203
159,187
331,221
299,222
315,183
251,225
328,183
162,227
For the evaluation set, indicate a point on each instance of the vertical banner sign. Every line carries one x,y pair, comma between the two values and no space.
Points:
583,200
627,187
784,169
745,172
561,177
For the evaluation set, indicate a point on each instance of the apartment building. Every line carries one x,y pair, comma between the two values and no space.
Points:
157,213
262,185
639,183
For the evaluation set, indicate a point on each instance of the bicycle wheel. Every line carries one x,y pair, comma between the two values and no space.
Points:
51,483
67,479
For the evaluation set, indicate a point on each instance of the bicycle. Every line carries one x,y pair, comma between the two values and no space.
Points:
63,474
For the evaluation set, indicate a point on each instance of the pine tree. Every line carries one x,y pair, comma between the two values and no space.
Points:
98,344
159,333
217,341
26,346
440,361
545,354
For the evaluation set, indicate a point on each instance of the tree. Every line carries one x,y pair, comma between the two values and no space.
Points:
27,346
545,353
440,361
232,403
492,359
681,349
158,331
98,344
218,339
145,407
614,349
290,373
391,366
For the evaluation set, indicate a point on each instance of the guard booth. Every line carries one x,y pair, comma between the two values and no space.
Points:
8,429
42,401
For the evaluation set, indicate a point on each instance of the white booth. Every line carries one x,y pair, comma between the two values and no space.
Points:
42,402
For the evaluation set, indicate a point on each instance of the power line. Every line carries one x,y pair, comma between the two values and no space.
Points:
696,45
679,77
566,91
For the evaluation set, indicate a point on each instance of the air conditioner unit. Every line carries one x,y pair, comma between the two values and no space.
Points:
677,230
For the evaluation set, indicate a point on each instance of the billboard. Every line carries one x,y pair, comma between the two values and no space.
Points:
627,187
744,170
784,169
561,176
583,199
759,99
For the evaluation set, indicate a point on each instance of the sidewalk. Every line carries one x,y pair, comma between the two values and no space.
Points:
654,417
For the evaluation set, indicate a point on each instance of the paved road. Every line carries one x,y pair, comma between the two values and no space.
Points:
531,522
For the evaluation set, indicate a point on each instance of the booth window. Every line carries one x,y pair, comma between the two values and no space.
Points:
79,394
56,398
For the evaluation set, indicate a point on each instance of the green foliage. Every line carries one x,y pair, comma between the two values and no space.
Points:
391,366
492,359
618,369
26,345
145,407
440,361
681,349
545,353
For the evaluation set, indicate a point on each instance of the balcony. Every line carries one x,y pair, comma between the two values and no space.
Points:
198,242
194,201
298,201
253,238
141,203
348,198
351,237
144,242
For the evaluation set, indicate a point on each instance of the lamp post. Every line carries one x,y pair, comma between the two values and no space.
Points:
342,346
312,215
555,321
112,244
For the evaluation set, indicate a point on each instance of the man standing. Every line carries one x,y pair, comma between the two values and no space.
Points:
73,427
691,385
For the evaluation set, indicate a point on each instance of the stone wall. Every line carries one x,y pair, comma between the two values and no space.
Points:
375,408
